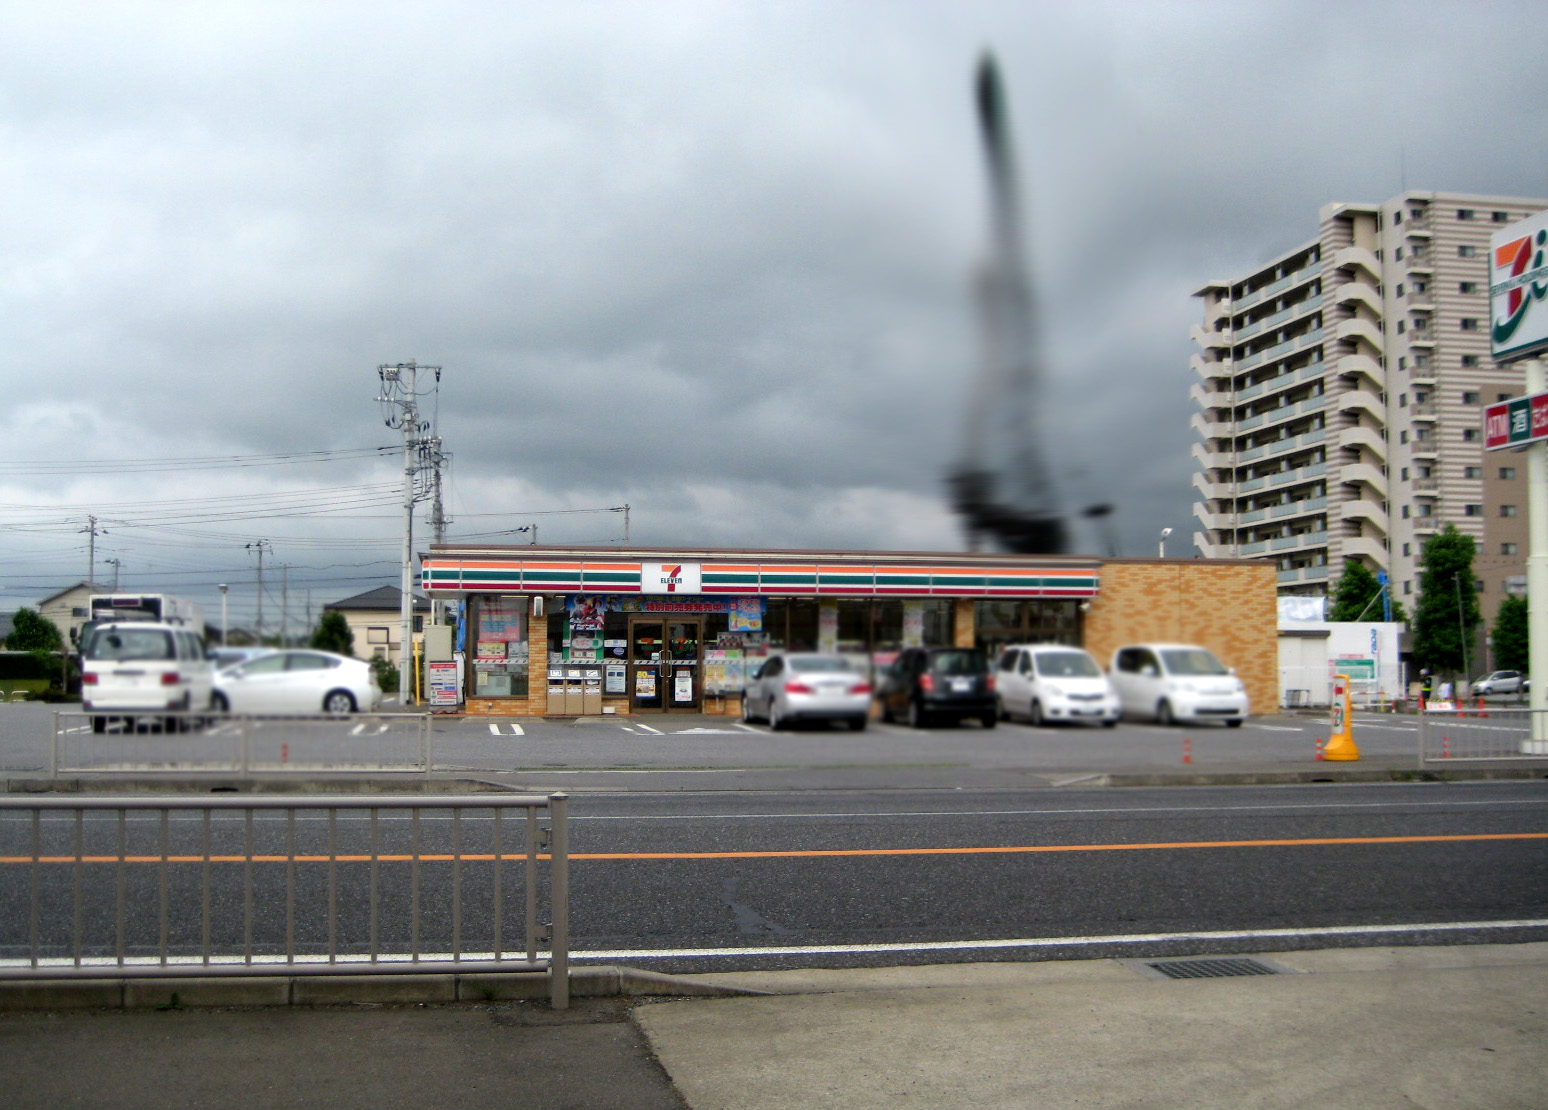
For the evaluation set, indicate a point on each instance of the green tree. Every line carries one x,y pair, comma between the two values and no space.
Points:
386,674
1357,596
32,631
1446,616
1510,635
333,634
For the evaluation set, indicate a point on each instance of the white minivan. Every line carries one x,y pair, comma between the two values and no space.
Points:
140,669
1177,682
1053,682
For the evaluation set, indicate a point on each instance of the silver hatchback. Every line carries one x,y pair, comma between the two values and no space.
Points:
807,686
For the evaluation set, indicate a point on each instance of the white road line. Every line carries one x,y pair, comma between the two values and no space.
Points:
1106,940
745,727
494,730
358,729
647,728
516,730
1279,728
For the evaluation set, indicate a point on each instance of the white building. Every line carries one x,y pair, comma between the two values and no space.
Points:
1341,392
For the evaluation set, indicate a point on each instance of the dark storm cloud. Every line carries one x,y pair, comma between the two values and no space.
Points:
709,260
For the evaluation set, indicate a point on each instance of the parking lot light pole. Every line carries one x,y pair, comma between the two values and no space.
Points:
223,587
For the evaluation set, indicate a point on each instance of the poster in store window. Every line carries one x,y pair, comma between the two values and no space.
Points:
682,686
644,683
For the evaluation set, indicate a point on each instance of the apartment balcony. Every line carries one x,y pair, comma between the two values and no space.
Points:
1417,228
1358,293
1281,381
1362,400
1366,511
1209,429
1213,340
1365,438
1362,366
1419,302
1212,490
1361,331
1302,542
1210,459
1419,262
1422,410
1307,507
1424,448
1209,398
1284,446
1292,477
1213,521
1367,547
1361,473
1424,486
1426,526
1357,258
1303,574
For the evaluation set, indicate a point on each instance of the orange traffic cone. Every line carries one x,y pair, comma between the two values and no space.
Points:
1187,750
1319,749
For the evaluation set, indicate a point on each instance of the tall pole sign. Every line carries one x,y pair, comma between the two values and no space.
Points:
1518,330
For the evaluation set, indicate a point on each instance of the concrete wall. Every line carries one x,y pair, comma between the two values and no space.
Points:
1226,605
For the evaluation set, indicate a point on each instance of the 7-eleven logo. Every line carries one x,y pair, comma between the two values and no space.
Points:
1520,278
669,578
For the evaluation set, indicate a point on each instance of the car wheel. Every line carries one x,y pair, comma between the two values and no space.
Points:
857,724
1111,722
748,716
1234,722
1164,714
1035,713
220,703
776,722
99,723
339,701
886,712
916,715
989,720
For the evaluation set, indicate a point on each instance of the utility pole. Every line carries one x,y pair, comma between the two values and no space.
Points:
91,551
116,564
258,546
284,605
434,457
400,393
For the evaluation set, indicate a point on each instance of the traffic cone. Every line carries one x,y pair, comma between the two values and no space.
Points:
1319,749
1445,747
1187,750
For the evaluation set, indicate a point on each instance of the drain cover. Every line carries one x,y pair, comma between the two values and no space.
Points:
1207,967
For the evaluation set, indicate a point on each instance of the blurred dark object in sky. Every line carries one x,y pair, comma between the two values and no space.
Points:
1000,484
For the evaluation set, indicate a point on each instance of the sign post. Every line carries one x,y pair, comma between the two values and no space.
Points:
1518,329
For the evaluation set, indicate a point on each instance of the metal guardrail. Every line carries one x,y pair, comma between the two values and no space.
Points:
203,742
296,886
1488,733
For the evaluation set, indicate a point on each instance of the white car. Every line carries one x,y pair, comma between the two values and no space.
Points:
802,686
135,669
298,682
1054,682
1177,682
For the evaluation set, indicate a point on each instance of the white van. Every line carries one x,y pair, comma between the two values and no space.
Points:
1177,682
1053,682
144,668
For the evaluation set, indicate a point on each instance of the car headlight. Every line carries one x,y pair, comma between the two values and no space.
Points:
1053,689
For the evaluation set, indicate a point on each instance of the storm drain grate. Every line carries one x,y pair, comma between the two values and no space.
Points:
1211,968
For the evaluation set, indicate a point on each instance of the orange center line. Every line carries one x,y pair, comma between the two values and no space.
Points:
800,853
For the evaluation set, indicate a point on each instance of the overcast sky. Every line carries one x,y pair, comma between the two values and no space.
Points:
710,260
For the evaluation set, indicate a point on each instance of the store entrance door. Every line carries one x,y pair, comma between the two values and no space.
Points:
666,665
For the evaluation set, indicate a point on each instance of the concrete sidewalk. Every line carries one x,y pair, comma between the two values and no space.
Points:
1436,1027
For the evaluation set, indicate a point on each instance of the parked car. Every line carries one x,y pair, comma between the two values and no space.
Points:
1177,682
1500,682
298,681
224,657
1053,682
802,686
135,670
946,683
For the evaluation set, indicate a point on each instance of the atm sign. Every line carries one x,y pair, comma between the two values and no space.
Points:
1516,422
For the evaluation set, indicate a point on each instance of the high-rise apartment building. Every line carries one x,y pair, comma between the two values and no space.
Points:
1341,396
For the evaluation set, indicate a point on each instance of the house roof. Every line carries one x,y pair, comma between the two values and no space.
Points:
68,589
387,599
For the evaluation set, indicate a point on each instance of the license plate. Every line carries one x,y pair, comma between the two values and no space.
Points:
961,685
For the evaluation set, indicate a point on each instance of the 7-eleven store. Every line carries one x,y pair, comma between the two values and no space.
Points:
555,631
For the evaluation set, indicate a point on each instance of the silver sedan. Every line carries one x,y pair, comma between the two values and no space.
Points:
806,686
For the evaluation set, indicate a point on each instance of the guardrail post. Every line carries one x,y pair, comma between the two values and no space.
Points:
559,892
53,747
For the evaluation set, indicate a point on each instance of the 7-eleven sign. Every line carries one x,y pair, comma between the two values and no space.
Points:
670,578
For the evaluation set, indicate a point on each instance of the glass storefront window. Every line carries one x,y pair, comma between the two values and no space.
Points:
1052,621
499,650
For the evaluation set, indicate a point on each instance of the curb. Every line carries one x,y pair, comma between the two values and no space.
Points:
212,992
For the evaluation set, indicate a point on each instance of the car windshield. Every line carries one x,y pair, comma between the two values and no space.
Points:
1192,661
820,664
132,643
1066,664
958,662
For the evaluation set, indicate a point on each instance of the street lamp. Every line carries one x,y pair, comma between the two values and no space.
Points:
1161,547
223,588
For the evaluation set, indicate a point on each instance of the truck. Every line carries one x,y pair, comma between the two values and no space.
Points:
164,608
